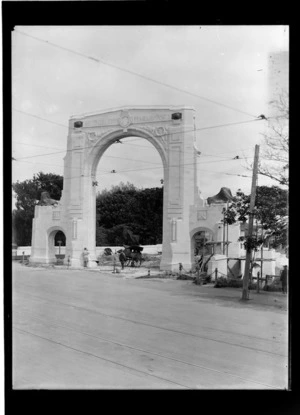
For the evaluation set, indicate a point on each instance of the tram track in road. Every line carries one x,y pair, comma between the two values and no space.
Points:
102,358
217,330
183,333
137,349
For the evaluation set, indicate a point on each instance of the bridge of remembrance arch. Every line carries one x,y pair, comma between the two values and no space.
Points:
171,131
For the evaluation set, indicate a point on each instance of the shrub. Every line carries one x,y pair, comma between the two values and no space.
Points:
208,279
185,277
232,283
252,286
272,288
221,282
235,283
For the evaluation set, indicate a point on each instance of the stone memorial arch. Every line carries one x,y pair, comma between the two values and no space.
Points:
171,130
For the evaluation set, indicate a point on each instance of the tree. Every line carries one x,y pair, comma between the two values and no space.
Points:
126,214
271,211
28,194
116,206
275,160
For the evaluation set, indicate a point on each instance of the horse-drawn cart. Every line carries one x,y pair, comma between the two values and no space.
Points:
133,255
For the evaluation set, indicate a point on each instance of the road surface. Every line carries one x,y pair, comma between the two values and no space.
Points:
82,329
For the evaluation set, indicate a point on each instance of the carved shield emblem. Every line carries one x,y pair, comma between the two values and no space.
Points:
125,119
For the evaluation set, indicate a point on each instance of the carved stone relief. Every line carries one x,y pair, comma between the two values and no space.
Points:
202,215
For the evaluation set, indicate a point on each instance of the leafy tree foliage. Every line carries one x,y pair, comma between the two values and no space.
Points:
127,215
271,211
28,194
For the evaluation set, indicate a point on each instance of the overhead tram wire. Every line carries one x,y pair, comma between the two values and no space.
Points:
48,164
126,143
185,164
202,154
105,172
144,161
34,145
177,132
101,61
124,158
147,168
40,118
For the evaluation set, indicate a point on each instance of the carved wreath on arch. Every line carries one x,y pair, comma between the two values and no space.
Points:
159,131
91,135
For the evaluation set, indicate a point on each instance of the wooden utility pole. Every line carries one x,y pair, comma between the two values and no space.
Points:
262,253
250,226
227,232
224,233
258,274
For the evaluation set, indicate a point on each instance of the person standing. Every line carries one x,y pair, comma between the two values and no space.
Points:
122,258
283,279
85,255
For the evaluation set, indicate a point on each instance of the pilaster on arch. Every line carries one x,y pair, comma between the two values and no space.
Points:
108,138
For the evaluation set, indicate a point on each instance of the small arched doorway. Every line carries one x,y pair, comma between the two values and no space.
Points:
56,238
200,242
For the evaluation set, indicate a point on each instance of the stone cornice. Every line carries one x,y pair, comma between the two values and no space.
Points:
127,108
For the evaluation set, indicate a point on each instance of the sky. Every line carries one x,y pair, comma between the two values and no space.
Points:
230,65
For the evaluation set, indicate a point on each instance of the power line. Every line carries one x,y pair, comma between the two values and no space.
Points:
40,118
144,169
140,160
148,147
35,145
177,132
47,164
131,170
229,152
104,156
202,154
185,164
101,61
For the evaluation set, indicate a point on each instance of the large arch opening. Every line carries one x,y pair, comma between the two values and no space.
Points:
129,171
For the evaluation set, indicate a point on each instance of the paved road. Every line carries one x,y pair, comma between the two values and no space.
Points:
89,330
